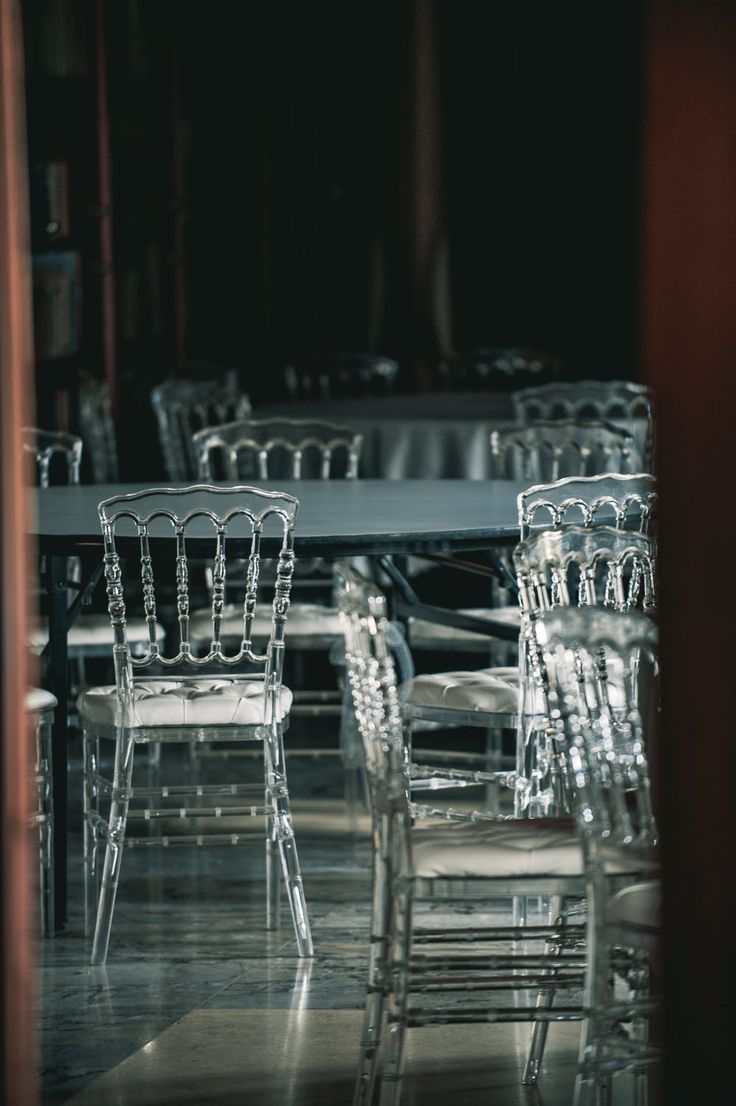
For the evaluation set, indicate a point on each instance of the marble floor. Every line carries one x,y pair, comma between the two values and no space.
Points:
198,1004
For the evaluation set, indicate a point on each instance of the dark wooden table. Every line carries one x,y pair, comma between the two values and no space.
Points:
337,518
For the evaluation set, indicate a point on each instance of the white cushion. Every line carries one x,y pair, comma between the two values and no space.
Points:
304,620
489,690
638,905
95,630
430,635
38,699
511,849
192,702
527,847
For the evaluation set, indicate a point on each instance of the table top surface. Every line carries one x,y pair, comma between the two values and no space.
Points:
336,517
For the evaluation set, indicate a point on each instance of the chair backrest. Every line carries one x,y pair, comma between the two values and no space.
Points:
495,368
185,406
621,402
345,374
284,449
550,450
621,499
222,526
45,445
574,566
602,747
587,566
97,429
597,399
373,685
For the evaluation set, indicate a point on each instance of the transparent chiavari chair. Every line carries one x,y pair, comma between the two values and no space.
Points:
184,406
55,454
341,375
97,429
489,697
621,402
59,454
489,368
282,449
40,706
443,974
604,748
235,696
548,450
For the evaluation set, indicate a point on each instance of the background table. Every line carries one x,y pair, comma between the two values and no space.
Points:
430,435
337,518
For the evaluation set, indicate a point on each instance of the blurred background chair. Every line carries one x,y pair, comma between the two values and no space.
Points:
606,751
342,374
40,706
495,368
58,454
97,430
552,449
284,449
180,698
620,402
184,406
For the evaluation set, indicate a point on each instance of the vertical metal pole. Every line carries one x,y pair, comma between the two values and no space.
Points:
104,211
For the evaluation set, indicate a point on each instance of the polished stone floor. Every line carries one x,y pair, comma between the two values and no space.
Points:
198,1004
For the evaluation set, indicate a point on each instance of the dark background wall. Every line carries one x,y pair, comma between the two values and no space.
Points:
264,185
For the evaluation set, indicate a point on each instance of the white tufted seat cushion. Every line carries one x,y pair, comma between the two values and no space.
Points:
94,631
39,699
305,620
639,905
488,690
197,702
430,635
510,849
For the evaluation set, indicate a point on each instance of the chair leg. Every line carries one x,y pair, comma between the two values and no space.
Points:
44,755
401,889
375,990
273,873
545,998
90,765
281,829
122,779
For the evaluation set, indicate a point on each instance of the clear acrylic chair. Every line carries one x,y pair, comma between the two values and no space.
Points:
56,455
277,449
234,696
40,706
184,406
472,851
605,751
489,697
621,402
97,430
58,458
341,375
549,450
495,368
416,976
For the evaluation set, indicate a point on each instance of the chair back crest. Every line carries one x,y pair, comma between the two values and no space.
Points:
495,368
552,449
216,519
620,499
286,449
341,375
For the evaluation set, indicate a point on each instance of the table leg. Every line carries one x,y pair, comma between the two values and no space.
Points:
56,568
